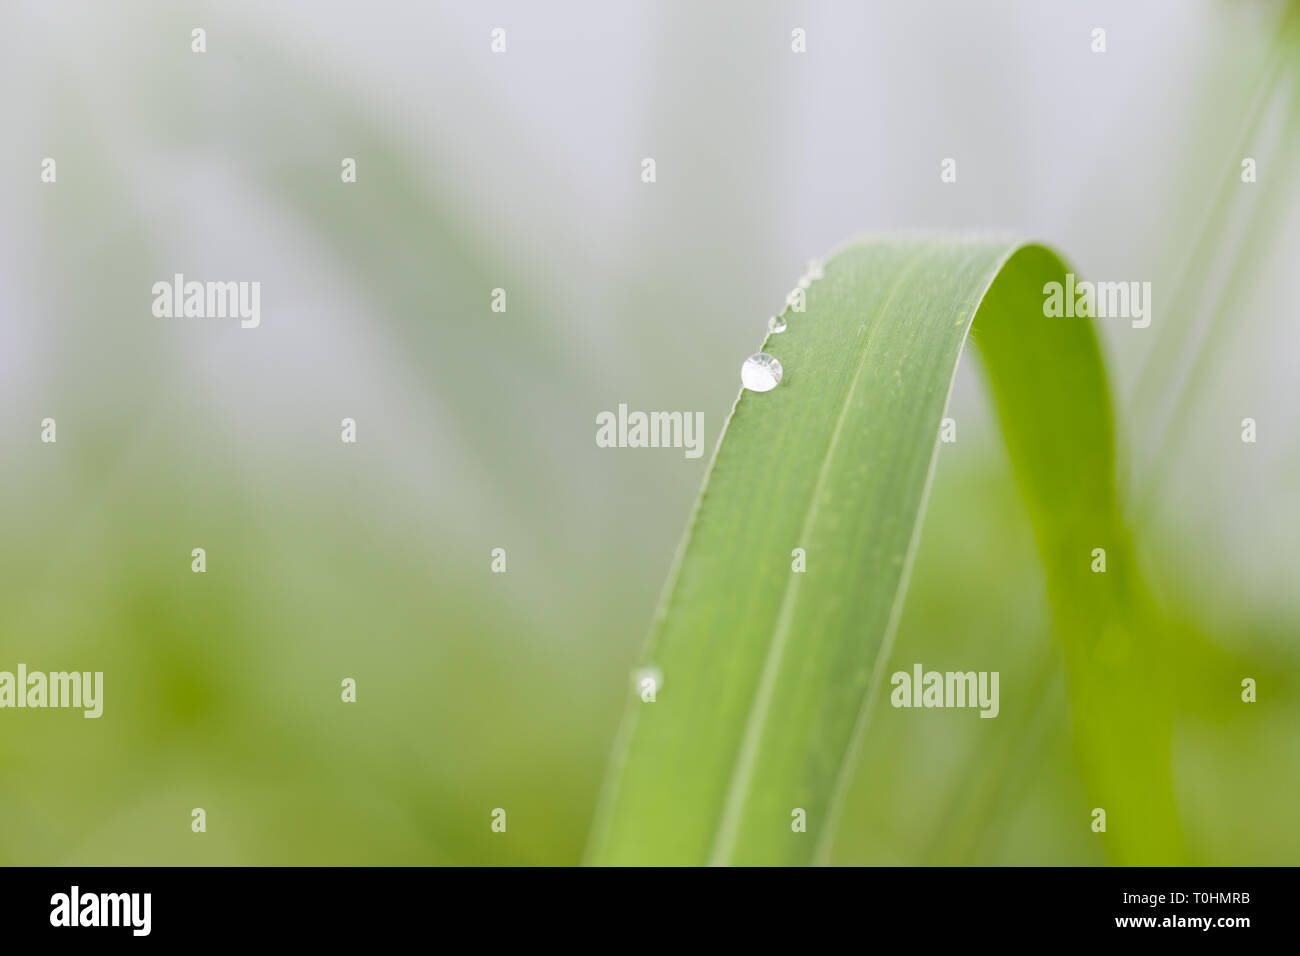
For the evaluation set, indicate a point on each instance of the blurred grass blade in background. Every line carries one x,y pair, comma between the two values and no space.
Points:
768,672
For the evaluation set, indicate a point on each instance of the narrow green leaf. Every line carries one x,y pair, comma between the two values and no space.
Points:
769,674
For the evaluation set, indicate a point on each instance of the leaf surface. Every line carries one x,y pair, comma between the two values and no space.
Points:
769,674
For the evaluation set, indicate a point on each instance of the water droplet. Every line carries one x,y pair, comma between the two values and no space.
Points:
815,269
776,324
805,282
760,373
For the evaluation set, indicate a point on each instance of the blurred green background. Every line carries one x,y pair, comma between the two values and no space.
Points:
476,429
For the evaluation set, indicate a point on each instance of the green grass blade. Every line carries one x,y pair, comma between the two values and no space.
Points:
768,674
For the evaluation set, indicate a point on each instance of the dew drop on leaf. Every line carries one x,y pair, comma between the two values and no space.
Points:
760,373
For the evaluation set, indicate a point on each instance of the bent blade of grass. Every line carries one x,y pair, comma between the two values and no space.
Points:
769,674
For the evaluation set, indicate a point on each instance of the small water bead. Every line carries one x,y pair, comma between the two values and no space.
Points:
776,324
760,373
815,269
